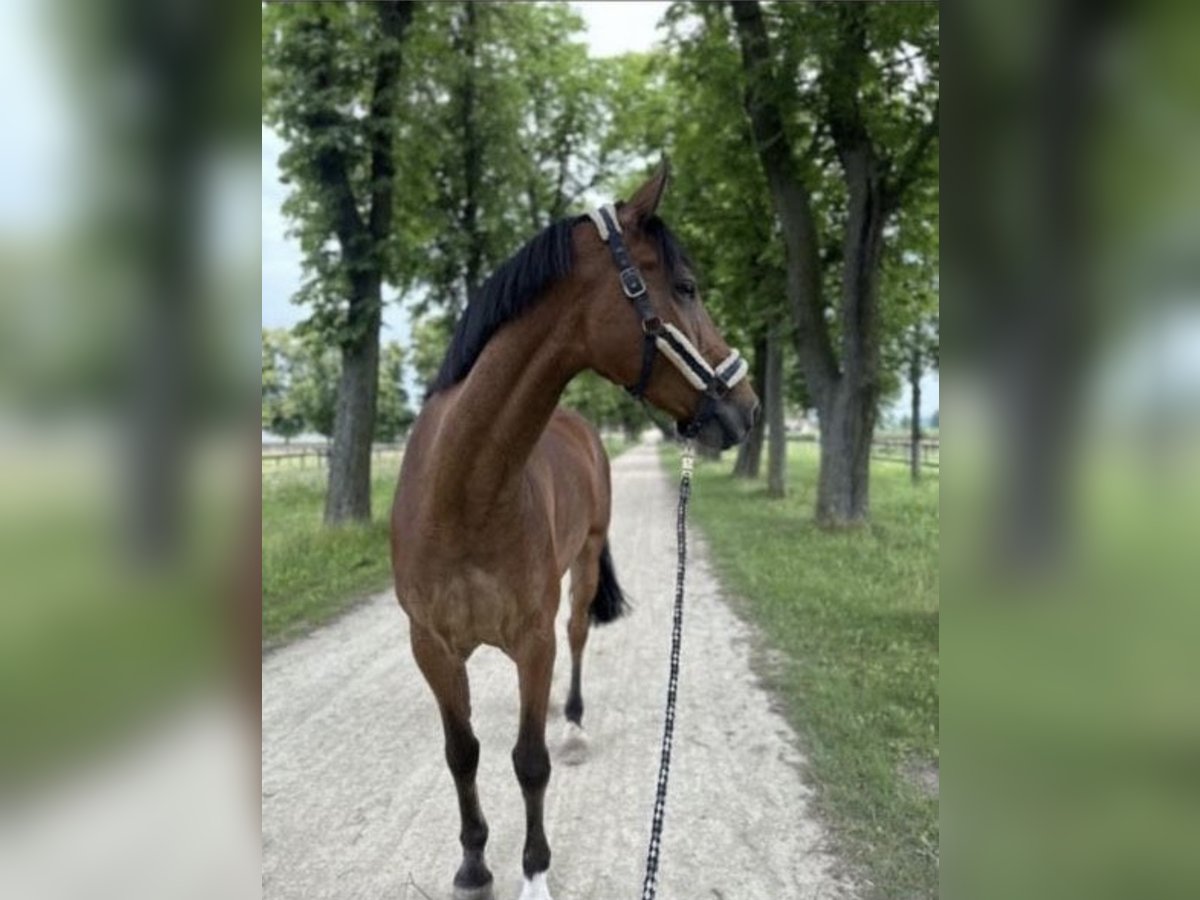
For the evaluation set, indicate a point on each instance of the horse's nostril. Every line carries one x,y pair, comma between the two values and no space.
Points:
754,412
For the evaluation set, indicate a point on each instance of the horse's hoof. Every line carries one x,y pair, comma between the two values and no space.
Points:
535,888
574,745
476,893
479,881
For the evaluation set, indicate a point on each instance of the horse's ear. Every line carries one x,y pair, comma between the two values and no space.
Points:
644,202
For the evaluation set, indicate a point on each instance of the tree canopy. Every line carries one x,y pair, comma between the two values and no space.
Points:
802,135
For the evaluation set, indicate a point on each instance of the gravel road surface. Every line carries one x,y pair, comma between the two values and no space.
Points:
357,801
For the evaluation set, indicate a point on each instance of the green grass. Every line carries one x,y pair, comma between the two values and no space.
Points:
1070,691
311,573
856,616
95,645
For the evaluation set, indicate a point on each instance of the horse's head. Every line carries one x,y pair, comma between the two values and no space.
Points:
646,328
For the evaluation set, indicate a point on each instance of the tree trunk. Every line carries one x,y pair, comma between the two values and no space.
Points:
749,460
158,454
843,485
1047,337
849,408
348,497
914,382
777,442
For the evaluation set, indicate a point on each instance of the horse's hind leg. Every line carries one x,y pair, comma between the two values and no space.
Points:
447,677
531,760
585,576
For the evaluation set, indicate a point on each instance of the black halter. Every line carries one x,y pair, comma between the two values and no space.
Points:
713,384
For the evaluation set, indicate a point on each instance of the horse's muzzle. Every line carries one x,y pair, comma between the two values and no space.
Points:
729,425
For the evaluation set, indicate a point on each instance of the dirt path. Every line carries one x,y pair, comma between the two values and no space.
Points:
357,802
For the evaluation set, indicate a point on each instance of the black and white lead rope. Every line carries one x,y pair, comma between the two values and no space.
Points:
650,883
712,383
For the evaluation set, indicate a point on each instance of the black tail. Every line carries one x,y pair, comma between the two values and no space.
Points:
609,603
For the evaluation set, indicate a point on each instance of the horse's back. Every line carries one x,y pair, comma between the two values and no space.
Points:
570,433
572,466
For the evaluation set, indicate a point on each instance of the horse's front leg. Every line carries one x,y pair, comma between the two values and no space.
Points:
447,677
531,760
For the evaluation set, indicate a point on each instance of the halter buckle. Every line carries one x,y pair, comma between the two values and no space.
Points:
652,325
632,283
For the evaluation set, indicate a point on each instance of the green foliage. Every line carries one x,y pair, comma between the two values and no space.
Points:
692,106
856,616
300,383
392,415
504,103
315,375
909,289
430,338
318,80
495,136
679,105
605,406
280,415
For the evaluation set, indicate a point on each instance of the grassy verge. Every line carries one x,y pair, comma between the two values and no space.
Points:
96,645
312,573
856,616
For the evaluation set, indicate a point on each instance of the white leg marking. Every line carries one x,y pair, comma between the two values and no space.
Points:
535,888
574,745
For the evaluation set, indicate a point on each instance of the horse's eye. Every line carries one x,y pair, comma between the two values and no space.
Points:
686,289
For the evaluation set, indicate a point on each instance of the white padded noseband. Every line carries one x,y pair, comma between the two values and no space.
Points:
683,354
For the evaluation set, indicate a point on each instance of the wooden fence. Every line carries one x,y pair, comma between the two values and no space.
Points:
886,449
900,450
889,448
315,455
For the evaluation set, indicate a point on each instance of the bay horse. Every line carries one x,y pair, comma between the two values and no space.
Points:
501,493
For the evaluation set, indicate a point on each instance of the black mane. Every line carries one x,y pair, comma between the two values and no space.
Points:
510,291
506,295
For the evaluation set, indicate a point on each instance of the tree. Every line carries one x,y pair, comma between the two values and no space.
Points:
777,443
280,414
910,314
842,55
505,100
749,458
430,337
567,106
300,382
331,87
313,384
393,417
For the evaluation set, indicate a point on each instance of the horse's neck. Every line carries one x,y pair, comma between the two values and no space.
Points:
501,409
